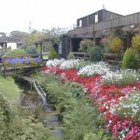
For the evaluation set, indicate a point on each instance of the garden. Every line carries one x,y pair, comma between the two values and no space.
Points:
86,99
115,95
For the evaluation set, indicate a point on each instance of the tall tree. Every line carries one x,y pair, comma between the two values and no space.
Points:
34,36
18,35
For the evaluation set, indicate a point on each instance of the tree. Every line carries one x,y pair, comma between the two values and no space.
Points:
54,34
18,35
33,37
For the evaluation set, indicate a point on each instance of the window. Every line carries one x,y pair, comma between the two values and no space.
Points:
60,48
80,23
96,18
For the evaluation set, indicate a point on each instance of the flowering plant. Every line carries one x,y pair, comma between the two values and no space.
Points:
54,62
21,61
118,106
129,107
94,69
69,64
85,45
121,78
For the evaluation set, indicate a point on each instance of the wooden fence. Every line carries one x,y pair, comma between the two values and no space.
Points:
81,55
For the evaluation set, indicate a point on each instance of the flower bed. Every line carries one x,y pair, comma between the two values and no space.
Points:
14,62
108,96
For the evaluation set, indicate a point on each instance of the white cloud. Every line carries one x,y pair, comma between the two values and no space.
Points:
16,14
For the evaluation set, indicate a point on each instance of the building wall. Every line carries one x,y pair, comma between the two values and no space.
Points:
12,45
96,17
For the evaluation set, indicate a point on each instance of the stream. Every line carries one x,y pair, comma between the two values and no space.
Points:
40,106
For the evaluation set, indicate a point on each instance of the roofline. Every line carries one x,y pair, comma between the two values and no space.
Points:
98,11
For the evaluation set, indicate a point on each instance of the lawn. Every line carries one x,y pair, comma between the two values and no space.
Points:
9,89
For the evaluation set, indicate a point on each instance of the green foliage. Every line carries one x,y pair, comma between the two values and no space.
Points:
82,64
54,34
80,117
52,54
77,90
91,136
129,59
95,53
9,89
18,35
5,118
71,55
129,107
24,129
115,45
13,125
85,45
33,37
136,43
112,43
31,50
15,53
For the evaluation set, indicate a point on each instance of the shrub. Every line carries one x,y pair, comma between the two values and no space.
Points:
81,120
85,45
80,116
15,53
129,59
111,44
115,44
31,50
95,54
52,53
71,56
136,43
5,117
77,89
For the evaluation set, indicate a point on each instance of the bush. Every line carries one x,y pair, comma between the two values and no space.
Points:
112,44
85,45
15,53
81,120
115,44
129,59
52,53
31,50
5,117
95,54
71,56
15,127
136,43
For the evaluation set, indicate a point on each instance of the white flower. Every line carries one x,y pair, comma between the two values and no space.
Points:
69,64
54,62
93,69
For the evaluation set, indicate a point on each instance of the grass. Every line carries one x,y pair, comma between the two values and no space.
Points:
9,89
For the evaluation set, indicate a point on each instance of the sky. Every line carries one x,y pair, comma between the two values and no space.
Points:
45,14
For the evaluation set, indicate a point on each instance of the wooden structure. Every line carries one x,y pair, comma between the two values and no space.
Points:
81,55
42,46
119,21
97,25
10,69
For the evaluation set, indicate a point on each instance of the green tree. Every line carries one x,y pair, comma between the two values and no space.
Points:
129,59
33,37
18,35
54,34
